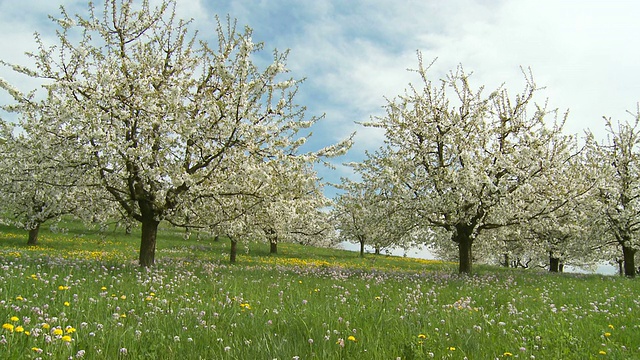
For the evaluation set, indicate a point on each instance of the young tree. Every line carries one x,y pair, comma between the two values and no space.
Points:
618,192
161,115
468,162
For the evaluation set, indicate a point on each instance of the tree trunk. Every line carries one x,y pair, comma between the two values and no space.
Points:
361,248
377,250
554,264
464,251
620,267
234,250
273,248
506,260
148,241
462,237
629,261
33,235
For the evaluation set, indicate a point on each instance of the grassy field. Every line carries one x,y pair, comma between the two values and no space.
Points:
80,294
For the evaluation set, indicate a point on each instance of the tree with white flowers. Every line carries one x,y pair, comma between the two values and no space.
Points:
165,119
617,161
468,162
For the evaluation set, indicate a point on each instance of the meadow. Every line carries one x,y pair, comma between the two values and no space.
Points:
80,294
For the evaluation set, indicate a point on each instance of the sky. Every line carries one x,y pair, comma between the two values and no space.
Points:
355,54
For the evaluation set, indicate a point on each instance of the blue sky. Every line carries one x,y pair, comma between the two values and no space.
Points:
355,53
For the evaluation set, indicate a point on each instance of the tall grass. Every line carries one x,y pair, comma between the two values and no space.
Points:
83,296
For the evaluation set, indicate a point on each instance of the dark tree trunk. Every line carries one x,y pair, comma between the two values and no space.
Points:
33,235
216,238
464,251
377,250
273,248
148,241
462,237
506,260
554,264
361,248
561,267
234,250
629,261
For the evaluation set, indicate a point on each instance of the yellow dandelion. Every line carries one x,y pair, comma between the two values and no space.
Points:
103,288
27,333
57,331
422,336
70,330
611,327
8,327
607,334
507,354
352,338
602,352
66,303
36,349
451,348
45,326
14,318
19,329
123,315
123,297
66,338
62,287
19,298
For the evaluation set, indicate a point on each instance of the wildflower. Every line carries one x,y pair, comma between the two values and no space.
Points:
19,329
19,298
507,354
45,326
62,287
451,348
602,352
70,329
611,327
422,336
310,341
123,297
340,342
57,331
123,351
37,349
352,338
103,288
8,327
66,303
66,338
80,354
245,306
14,318
227,348
607,334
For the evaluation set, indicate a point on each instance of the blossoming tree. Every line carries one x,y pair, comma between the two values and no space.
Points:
160,115
618,191
468,162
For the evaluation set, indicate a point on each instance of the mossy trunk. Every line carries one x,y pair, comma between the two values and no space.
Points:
148,241
234,250
273,247
33,235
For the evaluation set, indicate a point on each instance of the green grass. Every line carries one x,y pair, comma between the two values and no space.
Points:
79,293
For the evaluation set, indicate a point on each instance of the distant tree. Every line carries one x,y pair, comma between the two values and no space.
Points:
162,116
468,162
39,184
617,161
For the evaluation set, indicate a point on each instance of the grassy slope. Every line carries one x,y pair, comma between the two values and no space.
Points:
306,302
